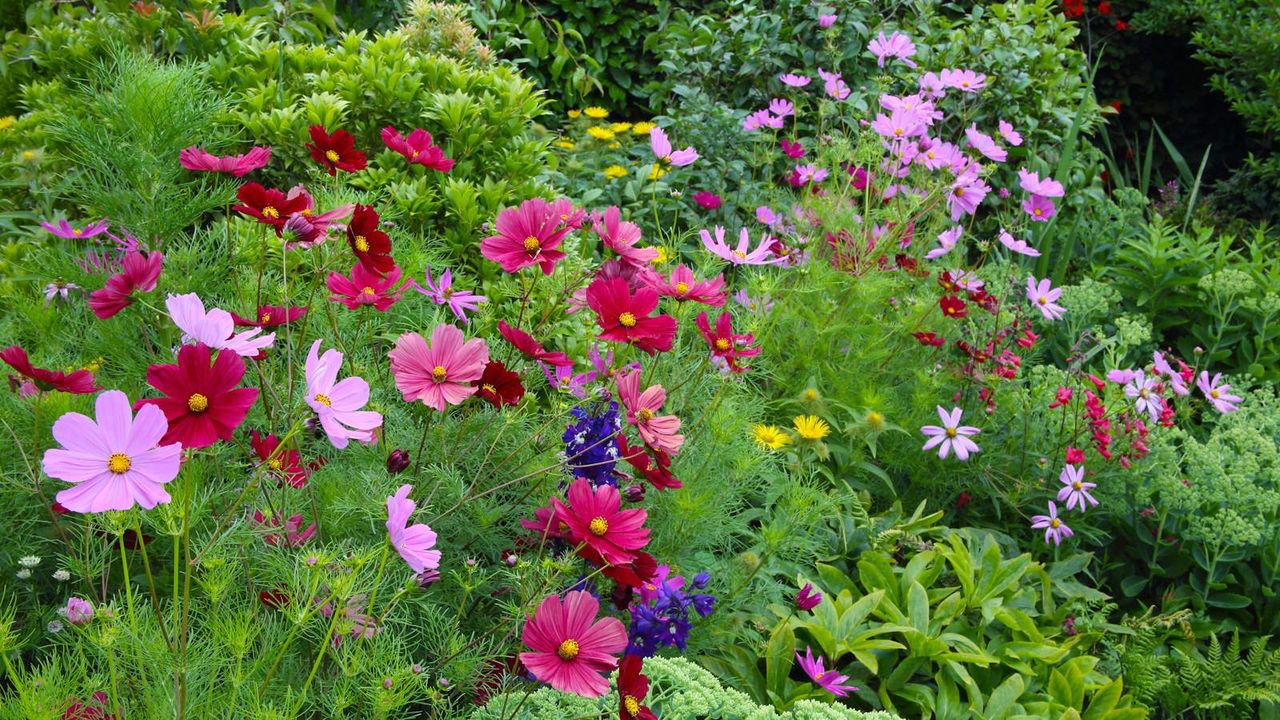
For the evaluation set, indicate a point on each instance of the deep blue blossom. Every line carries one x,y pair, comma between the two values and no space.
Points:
661,617
589,444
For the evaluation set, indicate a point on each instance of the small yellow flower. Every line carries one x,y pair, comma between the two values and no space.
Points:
657,171
811,395
614,145
28,155
875,420
7,122
662,257
770,437
600,133
596,112
613,172
642,128
565,143
574,114
620,127
811,427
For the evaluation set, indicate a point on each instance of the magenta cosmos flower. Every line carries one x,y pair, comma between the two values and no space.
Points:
1031,182
596,520
952,435
439,374
1075,491
113,461
1039,208
621,237
338,404
138,274
67,231
1009,134
826,21
460,302
1045,298
527,235
1054,529
963,80
413,542
195,158
1019,246
661,146
79,611
896,45
828,680
215,328
202,404
707,200
967,191
1216,392
657,431
417,148
682,285
794,80
570,647
365,287
761,255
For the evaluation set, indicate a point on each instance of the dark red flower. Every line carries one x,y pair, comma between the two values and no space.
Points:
335,152
929,338
624,317
202,403
417,148
963,499
953,307
269,316
79,382
631,574
371,246
99,704
285,465
632,687
268,205
525,343
656,469
138,273
499,386
724,342
274,599
397,461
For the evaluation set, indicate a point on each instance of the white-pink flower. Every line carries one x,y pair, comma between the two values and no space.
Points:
338,404
1143,391
413,542
214,328
657,431
1043,297
1217,394
661,146
947,240
1075,491
739,255
896,45
1009,134
1031,182
1164,369
951,435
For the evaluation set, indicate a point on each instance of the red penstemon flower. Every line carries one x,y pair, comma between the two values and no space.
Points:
201,403
624,317
953,307
335,152
268,205
79,382
499,386
283,464
725,343
597,522
371,246
525,343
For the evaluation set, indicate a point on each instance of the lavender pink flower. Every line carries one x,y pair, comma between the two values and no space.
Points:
413,542
1054,529
951,435
1216,392
896,45
339,404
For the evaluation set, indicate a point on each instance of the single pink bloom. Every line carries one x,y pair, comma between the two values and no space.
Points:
829,680
1032,183
740,255
1054,528
215,328
984,144
1075,491
194,158
947,240
795,81
527,235
708,200
138,273
1009,134
364,287
79,611
417,148
570,647
657,431
1044,297
1216,392
621,237
113,461
413,542
896,45
67,231
826,21
967,192
682,285
338,404
1040,208
662,150
1019,246
597,521
439,374
963,80
952,435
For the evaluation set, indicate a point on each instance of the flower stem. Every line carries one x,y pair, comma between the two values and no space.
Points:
151,583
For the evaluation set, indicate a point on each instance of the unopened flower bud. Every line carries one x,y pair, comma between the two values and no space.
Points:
387,683
428,578
397,461
634,493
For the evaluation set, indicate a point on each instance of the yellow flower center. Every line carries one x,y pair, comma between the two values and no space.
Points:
76,231
818,677
438,373
119,463
951,432
875,419
1038,212
368,290
1077,485
531,244
275,463
627,319
599,526
362,244
741,255
631,705
568,650
682,288
959,192
1042,300
266,318
898,132
964,83
644,415
1213,394
722,344
324,400
332,155
1055,523
197,403
447,293
489,389
270,212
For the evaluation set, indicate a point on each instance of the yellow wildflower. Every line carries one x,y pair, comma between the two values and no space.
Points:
596,112
662,257
565,143
770,437
614,172
620,127
642,128
7,122
656,172
574,114
600,133
811,427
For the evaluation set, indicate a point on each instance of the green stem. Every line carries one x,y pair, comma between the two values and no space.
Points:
151,583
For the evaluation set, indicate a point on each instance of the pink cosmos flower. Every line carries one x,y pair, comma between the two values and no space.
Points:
896,45
1217,394
215,328
597,522
707,200
984,144
1032,183
767,216
365,287
1075,491
138,274
793,80
338,404
460,302
1019,246
309,227
1144,391
1054,528
195,158
621,237
810,174
759,119
1044,297
662,150
682,285
79,611
947,240
931,86
793,150
527,235
561,377
967,191
413,542
1040,208
67,231
1009,134
570,647
826,21
828,680
1165,370
963,80
112,461
781,107
439,374
58,288
417,148
951,435
657,431
762,255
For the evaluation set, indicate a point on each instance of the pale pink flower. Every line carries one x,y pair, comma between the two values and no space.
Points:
947,240
1054,528
967,191
1009,134
761,255
896,45
413,542
963,80
984,144
440,374
79,611
781,107
1174,377
899,125
951,435
215,328
931,86
661,147
1019,246
826,21
1075,491
338,404
793,80
1032,183
657,431
1217,394
1044,297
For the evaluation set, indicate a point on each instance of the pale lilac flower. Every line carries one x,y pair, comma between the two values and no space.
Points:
413,542
1143,391
661,147
1075,491
1045,298
899,125
793,80
984,144
67,231
1032,183
561,377
967,281
1122,377
214,328
460,302
833,84
338,404
826,21
931,86
951,435
78,611
936,154
896,45
1040,208
967,191
1163,368
1054,528
963,80
1216,394
57,288
780,107
1019,246
752,122
924,109
761,255
766,215
1009,134
807,174
828,680
762,304
947,240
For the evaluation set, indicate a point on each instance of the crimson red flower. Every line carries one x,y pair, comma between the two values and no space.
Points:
417,148
525,343
98,706
283,464
499,386
633,574
929,338
964,498
201,403
632,687
335,152
1062,397
371,246
274,599
596,520
953,307
624,317
947,282
269,316
268,205
79,382
725,343
656,469
138,273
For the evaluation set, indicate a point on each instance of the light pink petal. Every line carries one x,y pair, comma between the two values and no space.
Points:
115,419
74,431
148,427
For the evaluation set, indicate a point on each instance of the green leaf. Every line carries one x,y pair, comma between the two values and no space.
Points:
779,657
1001,701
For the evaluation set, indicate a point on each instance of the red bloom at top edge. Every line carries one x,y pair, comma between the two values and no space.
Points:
525,343
335,152
371,246
624,317
79,382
